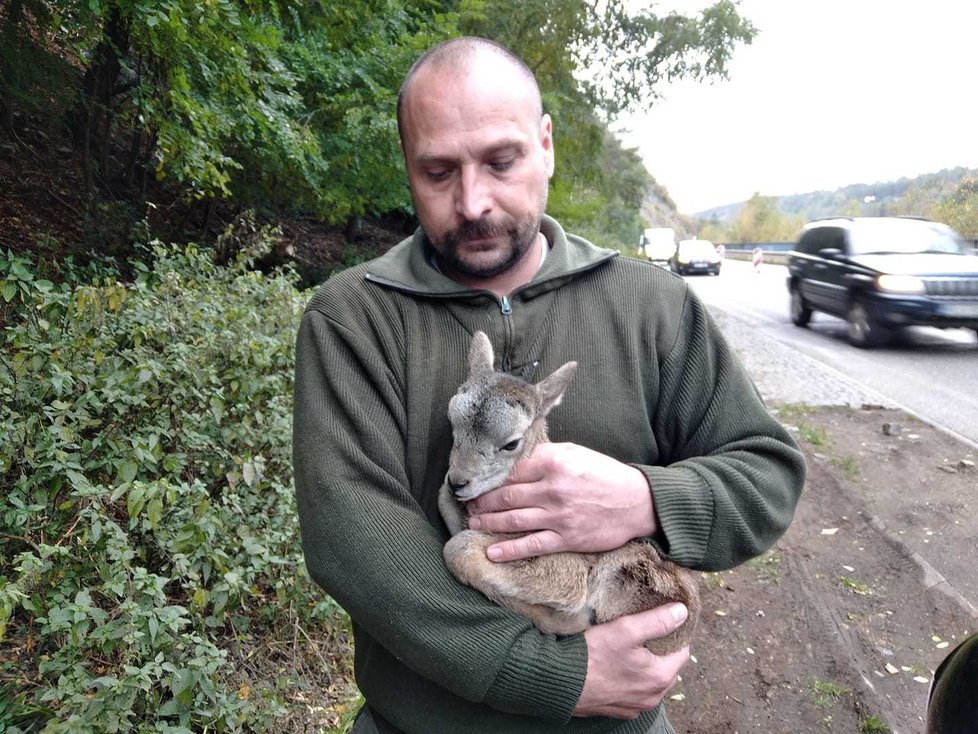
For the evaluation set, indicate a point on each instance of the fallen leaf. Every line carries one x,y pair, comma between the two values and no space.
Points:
892,669
721,613
921,679
678,697
829,531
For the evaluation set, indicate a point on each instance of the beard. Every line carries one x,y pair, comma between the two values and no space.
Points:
510,242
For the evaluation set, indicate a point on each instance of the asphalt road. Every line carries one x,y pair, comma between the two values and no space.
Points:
930,373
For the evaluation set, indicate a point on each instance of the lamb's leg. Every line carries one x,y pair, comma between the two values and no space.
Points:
634,578
451,510
551,590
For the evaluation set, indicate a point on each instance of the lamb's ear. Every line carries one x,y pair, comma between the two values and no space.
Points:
480,353
551,389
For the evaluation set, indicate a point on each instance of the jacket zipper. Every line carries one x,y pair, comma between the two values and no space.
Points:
506,308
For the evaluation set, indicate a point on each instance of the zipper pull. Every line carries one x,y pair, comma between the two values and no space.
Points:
505,306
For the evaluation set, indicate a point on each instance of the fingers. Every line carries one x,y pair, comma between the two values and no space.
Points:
529,546
506,497
510,521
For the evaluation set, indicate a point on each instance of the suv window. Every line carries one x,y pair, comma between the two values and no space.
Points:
808,243
820,238
905,236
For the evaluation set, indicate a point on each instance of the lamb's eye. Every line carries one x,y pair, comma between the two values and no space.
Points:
512,445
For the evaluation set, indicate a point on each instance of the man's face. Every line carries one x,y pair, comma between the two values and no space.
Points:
478,159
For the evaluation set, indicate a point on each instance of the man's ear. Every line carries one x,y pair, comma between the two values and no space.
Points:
547,143
480,353
551,389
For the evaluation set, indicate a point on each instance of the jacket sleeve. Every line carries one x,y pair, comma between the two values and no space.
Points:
731,475
368,543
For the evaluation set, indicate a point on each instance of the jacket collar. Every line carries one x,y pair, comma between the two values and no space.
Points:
407,266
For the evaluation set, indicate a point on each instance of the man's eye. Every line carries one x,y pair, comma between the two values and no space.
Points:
502,165
436,174
512,445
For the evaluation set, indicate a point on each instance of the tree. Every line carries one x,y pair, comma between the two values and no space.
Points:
594,61
289,105
960,210
761,221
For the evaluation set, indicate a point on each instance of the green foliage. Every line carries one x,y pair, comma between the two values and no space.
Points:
758,221
148,532
827,692
874,725
594,61
960,209
605,209
18,284
31,78
615,55
351,63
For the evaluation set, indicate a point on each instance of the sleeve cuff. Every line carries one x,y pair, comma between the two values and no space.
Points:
541,677
684,510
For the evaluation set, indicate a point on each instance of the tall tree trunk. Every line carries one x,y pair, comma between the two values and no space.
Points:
8,72
90,120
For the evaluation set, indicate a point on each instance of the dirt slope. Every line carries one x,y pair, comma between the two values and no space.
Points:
840,626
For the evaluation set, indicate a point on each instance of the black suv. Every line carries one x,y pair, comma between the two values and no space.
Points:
881,273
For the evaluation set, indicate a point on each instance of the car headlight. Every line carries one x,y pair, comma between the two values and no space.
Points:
684,259
909,284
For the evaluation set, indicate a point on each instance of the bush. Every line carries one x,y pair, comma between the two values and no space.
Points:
149,543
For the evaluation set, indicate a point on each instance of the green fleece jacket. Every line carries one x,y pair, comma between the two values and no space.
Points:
381,349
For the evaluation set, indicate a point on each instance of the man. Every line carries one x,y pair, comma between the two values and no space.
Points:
661,435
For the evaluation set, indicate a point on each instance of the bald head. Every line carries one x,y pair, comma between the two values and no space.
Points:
478,152
461,55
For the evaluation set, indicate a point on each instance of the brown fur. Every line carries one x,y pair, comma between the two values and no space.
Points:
498,419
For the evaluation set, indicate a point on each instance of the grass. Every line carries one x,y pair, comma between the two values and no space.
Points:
793,411
874,725
816,436
856,587
714,580
848,465
827,692
812,434
767,567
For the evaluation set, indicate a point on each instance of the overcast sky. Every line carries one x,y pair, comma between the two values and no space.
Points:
830,93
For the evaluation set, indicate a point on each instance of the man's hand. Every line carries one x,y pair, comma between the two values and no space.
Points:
568,498
624,679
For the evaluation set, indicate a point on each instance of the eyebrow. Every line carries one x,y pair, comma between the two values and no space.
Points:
517,147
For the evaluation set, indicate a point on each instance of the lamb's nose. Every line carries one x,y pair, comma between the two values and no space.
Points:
456,485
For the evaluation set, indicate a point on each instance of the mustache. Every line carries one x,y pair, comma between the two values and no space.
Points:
474,230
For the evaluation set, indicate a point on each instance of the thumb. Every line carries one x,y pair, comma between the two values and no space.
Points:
653,623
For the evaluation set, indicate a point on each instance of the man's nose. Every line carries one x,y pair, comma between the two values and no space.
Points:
473,198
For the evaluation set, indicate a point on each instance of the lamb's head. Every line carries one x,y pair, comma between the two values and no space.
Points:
497,419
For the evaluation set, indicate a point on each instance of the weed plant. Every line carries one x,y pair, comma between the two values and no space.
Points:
151,576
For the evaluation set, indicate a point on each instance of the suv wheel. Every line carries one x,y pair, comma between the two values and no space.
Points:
863,331
801,314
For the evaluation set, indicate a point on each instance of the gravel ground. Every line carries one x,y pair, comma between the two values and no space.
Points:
786,376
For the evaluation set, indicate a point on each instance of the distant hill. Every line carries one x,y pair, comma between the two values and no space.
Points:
867,199
659,210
